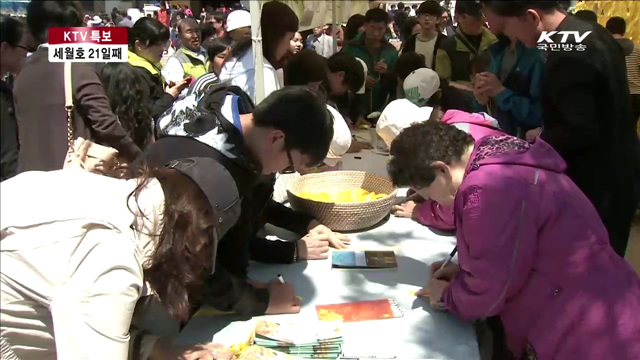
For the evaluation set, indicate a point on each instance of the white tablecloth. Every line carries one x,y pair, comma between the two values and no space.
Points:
421,334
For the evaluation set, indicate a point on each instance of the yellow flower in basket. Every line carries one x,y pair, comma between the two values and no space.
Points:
342,197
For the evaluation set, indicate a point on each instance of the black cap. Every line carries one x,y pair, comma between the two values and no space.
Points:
469,7
218,186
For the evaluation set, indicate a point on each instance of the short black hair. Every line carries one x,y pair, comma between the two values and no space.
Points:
11,30
217,15
214,46
376,15
616,25
401,5
417,147
305,67
430,7
148,31
468,7
42,15
515,8
586,15
187,21
407,63
301,114
353,71
206,30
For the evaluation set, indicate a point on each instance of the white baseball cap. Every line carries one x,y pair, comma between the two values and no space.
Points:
364,84
341,138
238,19
420,85
397,116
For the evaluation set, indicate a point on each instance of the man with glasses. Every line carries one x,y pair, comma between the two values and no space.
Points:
447,24
288,131
428,41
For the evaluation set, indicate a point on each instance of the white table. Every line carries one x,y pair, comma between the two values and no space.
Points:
421,334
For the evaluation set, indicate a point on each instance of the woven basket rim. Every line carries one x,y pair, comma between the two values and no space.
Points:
346,172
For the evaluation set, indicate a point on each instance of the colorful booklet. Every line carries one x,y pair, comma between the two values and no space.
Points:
368,259
360,311
319,341
261,353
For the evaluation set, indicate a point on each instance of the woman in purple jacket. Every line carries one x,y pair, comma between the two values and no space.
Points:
531,247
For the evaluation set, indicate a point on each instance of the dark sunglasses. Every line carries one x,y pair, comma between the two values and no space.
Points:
291,168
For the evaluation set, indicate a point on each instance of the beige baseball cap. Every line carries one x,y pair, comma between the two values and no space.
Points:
341,138
397,116
366,70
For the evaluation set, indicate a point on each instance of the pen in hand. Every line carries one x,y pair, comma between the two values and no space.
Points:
451,255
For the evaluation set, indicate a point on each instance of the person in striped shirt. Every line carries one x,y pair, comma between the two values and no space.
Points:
617,27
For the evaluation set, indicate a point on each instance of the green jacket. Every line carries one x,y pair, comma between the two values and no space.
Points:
386,85
453,59
191,65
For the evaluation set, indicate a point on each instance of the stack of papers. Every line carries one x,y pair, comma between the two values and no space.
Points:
306,341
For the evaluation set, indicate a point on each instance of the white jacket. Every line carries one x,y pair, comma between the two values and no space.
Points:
241,73
71,263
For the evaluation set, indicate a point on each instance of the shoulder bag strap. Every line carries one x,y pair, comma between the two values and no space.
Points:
68,102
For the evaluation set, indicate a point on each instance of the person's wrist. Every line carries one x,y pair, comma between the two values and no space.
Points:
313,224
302,250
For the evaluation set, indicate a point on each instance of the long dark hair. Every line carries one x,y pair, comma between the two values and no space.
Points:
354,23
183,254
128,101
276,20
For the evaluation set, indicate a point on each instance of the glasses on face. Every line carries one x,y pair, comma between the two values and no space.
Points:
291,168
22,47
428,16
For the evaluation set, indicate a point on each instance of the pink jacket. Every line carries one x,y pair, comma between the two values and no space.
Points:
533,250
431,213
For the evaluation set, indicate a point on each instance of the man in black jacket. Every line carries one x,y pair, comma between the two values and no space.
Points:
252,143
585,105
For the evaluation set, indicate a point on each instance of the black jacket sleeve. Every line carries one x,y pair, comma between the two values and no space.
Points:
161,101
575,126
227,292
273,251
283,217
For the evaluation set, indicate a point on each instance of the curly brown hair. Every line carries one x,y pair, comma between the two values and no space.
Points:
129,102
419,146
183,256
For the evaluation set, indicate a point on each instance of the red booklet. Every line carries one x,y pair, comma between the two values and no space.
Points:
359,311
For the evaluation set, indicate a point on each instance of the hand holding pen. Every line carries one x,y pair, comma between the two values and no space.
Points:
441,273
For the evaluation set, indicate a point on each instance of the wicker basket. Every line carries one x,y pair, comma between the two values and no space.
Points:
349,216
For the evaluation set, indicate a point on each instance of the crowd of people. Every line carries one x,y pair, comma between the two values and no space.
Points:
529,153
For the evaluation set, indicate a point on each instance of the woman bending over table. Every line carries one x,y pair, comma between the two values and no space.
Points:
531,247
83,254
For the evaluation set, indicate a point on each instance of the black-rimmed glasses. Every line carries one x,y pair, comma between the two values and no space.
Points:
291,168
